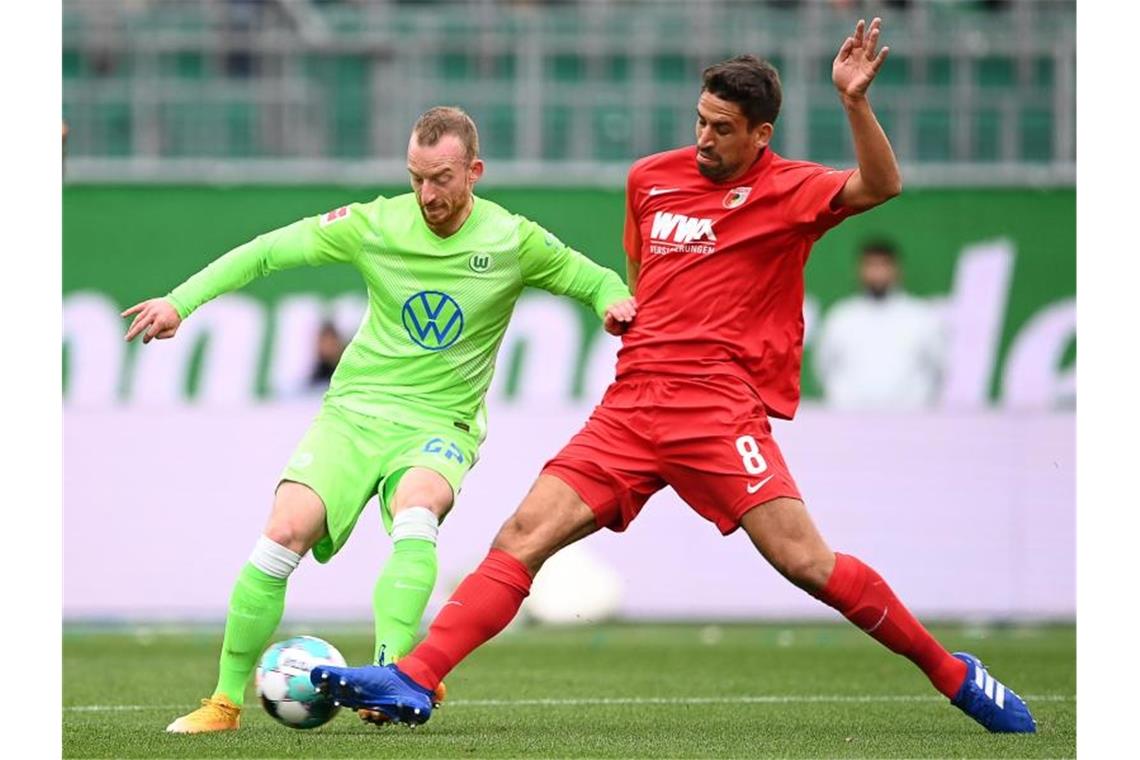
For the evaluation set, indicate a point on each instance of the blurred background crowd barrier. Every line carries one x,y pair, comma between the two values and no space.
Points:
195,125
982,93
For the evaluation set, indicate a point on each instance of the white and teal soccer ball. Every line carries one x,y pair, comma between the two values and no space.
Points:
283,681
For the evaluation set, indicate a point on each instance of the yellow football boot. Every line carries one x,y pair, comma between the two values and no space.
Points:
379,719
217,713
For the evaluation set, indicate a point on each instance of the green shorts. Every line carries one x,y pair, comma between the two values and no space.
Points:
347,457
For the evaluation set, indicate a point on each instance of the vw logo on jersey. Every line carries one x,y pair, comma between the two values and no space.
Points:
433,319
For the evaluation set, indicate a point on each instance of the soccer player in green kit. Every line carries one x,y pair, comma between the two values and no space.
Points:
404,414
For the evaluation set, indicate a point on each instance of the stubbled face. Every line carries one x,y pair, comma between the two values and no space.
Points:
878,273
443,180
726,147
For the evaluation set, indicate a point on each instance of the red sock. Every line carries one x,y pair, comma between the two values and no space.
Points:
866,600
482,606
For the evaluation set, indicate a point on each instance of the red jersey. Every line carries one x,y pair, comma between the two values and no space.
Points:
721,287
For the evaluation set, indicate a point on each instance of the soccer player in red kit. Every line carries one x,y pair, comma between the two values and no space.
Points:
717,236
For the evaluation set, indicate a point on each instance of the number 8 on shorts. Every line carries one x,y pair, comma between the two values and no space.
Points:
749,451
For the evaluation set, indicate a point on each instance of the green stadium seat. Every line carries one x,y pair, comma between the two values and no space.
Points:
986,135
939,71
72,64
665,128
827,135
111,128
613,133
182,65
565,67
241,130
1043,72
1036,130
556,132
932,130
994,71
672,68
497,129
617,68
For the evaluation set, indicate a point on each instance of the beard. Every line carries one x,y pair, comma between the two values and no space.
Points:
877,292
436,214
716,172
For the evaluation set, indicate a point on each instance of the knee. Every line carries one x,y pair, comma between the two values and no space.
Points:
515,534
526,540
288,533
423,488
807,570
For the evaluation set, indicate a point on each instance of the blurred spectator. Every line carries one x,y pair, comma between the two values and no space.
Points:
882,348
329,348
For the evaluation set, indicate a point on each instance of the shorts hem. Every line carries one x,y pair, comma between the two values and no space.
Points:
783,494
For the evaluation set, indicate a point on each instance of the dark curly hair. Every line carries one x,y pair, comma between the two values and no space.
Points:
749,82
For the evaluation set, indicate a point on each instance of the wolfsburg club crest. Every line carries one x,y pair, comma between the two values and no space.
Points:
736,196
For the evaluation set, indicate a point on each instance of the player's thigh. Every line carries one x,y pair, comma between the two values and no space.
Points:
419,487
719,454
784,533
551,516
424,467
611,463
297,520
336,460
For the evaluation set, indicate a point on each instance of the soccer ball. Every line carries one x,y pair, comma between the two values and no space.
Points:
575,587
283,681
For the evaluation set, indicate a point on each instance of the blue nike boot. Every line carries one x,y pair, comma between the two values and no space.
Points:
382,689
988,701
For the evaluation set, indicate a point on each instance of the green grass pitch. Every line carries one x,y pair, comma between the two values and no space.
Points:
610,691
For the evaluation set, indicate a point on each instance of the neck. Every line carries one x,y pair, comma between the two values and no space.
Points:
744,169
453,223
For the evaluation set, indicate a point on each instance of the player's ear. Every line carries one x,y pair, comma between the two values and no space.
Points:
476,171
762,135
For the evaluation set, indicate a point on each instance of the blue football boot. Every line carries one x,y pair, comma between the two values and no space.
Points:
988,701
378,688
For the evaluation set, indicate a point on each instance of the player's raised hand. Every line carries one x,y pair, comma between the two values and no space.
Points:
619,315
155,318
857,62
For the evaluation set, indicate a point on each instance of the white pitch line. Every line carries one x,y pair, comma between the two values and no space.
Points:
774,699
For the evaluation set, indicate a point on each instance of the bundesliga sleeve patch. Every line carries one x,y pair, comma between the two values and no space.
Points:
334,216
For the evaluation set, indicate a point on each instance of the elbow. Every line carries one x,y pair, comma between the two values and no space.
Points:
891,189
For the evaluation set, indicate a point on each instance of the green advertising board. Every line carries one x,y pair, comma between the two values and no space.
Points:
125,244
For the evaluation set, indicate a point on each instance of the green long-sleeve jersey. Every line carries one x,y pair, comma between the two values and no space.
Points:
437,307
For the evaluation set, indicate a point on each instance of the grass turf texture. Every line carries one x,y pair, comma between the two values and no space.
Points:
677,690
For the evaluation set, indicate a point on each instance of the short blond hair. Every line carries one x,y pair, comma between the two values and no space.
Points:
448,120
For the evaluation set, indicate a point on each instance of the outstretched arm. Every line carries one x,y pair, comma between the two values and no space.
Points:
312,241
550,264
877,179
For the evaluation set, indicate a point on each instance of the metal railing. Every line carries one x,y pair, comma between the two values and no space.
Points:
299,90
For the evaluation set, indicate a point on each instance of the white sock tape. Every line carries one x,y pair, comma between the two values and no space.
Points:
274,559
415,522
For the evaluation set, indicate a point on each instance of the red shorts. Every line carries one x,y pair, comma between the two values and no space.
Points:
708,437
